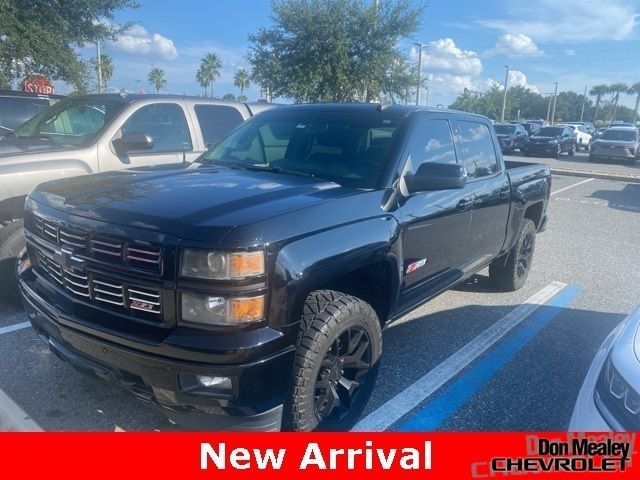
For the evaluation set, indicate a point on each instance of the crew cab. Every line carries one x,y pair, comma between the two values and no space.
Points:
247,290
96,133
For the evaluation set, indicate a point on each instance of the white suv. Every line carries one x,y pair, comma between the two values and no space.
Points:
583,137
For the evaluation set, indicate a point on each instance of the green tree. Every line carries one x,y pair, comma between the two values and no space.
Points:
157,80
598,91
335,50
229,96
41,36
241,80
106,67
617,89
209,70
635,90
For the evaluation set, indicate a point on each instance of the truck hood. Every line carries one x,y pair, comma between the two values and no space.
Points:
12,146
191,202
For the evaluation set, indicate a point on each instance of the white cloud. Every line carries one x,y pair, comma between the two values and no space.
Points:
517,45
519,79
444,55
571,21
138,41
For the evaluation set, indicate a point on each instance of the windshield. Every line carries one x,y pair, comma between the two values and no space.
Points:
619,135
349,149
16,110
549,132
73,121
504,129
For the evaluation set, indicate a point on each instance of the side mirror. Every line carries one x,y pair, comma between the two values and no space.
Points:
436,176
133,141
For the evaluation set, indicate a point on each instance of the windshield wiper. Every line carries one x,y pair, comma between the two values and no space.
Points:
269,168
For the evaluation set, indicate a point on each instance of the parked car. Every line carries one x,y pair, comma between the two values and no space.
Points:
530,127
609,399
618,144
247,290
598,133
18,107
511,136
583,137
552,141
94,133
589,127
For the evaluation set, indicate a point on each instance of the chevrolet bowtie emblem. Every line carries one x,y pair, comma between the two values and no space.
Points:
68,260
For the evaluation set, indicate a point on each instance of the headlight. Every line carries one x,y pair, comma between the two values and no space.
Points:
221,265
215,310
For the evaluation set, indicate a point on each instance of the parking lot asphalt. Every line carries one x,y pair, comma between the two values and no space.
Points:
584,274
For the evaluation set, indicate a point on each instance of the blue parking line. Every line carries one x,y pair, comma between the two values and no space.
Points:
431,415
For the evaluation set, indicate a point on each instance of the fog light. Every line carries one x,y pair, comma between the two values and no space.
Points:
222,383
23,266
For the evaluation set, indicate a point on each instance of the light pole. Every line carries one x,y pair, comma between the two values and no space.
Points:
584,100
504,94
99,66
419,45
549,107
553,109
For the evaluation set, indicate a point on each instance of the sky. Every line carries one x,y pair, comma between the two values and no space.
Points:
576,43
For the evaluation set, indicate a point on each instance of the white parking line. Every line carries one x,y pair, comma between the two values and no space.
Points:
571,186
13,418
412,396
13,328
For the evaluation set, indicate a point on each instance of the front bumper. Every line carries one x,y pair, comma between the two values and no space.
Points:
542,148
615,155
254,403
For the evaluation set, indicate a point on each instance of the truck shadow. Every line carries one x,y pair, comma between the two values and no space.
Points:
536,390
627,199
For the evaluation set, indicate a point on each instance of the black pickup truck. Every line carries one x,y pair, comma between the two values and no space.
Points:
247,290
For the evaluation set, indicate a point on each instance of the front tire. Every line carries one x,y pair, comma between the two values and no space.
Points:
511,275
336,365
11,244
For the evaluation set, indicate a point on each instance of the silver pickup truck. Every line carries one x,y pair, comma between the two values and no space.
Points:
96,133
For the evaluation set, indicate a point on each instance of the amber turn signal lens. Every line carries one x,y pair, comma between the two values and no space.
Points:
246,264
246,309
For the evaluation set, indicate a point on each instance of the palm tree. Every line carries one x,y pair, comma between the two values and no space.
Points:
202,79
156,79
241,80
106,68
617,89
210,67
635,89
598,91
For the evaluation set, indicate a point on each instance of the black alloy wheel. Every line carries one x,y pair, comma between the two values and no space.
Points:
344,370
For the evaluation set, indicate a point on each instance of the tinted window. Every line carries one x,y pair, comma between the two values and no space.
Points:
504,129
73,121
350,149
14,111
166,124
549,132
620,135
477,149
216,121
430,141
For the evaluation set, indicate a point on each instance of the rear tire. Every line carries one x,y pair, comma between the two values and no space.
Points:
336,364
11,244
511,275
572,151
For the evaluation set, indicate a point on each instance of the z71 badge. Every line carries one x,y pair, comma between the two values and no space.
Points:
412,267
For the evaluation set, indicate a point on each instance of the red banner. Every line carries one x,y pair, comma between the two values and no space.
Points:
311,456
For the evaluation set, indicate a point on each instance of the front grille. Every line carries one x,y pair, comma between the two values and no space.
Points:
130,253
138,301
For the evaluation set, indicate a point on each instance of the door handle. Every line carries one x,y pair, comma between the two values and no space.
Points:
463,205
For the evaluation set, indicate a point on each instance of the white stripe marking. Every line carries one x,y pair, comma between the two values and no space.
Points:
571,186
405,401
13,328
13,418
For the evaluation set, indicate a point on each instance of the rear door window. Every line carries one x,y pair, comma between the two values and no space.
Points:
477,149
216,121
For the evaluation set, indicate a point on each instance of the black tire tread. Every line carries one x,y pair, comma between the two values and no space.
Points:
503,273
11,243
323,312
